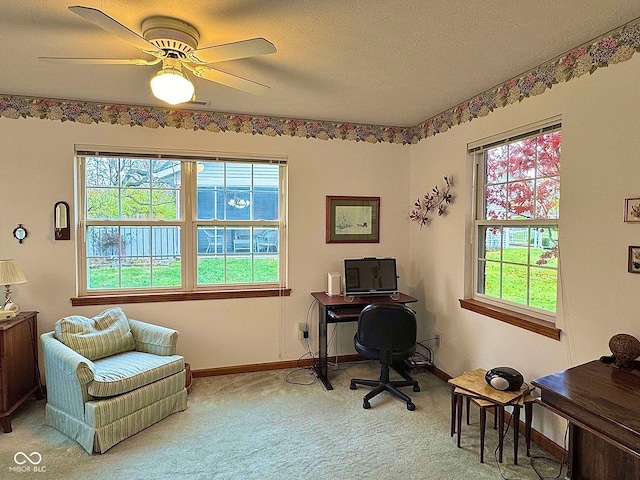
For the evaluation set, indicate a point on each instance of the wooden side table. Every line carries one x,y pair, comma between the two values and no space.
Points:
19,374
473,386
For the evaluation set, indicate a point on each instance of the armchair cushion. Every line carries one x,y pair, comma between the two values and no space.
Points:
129,371
104,335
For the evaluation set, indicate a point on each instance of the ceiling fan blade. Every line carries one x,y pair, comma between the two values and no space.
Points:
101,61
232,51
229,80
107,23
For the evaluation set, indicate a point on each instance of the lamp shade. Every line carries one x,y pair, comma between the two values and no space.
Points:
172,86
10,273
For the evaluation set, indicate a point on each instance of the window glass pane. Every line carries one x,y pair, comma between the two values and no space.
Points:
135,203
266,269
514,283
238,204
522,159
549,154
240,240
102,172
166,271
103,203
520,198
165,204
491,279
165,174
211,185
544,246
543,288
497,162
103,273
548,197
239,269
266,182
136,272
211,270
265,240
211,240
496,202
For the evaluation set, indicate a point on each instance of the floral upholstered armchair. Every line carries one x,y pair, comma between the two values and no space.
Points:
109,377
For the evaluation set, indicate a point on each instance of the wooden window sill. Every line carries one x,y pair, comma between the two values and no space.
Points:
533,324
121,298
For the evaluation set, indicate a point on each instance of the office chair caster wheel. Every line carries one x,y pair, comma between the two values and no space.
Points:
352,386
411,407
416,388
366,405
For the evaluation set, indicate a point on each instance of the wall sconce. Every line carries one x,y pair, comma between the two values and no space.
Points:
62,231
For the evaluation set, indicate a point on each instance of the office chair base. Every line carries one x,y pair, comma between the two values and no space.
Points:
384,384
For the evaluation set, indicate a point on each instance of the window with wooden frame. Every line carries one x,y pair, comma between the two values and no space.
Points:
160,223
516,220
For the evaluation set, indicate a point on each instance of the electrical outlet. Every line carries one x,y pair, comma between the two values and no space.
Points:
437,338
303,332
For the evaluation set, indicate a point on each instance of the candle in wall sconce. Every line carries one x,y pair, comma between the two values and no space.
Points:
62,230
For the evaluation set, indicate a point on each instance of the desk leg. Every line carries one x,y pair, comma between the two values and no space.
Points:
515,416
321,368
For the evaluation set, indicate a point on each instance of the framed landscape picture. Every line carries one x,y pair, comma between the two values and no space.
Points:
353,219
632,210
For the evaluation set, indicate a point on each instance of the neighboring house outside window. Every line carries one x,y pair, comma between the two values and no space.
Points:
517,212
161,223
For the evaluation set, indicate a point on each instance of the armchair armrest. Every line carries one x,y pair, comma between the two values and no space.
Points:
67,375
153,338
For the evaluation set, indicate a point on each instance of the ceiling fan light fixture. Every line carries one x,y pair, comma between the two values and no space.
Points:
171,85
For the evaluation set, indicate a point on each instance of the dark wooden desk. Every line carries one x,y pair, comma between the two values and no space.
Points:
602,404
338,309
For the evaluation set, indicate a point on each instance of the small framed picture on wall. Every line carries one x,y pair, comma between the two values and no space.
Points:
632,210
634,260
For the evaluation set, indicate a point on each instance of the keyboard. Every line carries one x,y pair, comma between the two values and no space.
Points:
346,312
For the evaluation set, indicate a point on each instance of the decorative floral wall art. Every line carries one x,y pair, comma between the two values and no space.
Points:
435,201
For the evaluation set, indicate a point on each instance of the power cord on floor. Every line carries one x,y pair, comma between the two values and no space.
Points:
307,370
561,463
531,459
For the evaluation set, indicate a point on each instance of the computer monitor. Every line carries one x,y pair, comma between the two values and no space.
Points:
370,276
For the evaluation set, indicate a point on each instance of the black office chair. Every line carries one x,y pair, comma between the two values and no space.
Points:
386,332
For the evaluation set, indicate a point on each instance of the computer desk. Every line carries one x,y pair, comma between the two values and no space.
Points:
341,309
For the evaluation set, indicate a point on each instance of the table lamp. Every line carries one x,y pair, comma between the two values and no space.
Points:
10,274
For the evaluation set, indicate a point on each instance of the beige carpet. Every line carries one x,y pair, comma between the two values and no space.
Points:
259,426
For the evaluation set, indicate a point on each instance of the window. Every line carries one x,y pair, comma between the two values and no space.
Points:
517,213
162,223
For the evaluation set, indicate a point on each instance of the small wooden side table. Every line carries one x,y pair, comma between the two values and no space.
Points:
19,375
472,385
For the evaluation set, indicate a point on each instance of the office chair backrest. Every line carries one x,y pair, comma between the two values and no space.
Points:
387,326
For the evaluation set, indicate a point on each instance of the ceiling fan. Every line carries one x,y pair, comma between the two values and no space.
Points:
175,44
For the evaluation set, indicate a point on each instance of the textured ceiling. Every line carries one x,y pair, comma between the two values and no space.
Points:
384,62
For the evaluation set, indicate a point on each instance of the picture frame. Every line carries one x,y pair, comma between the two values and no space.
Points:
634,259
632,210
352,219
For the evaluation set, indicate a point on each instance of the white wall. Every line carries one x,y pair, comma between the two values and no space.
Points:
37,170
600,168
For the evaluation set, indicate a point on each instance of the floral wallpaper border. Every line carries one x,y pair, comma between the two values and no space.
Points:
616,47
